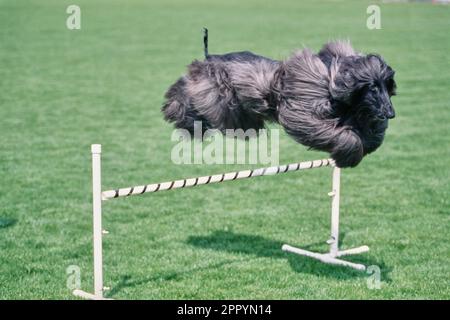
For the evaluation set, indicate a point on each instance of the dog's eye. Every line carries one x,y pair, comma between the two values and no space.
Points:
374,88
391,86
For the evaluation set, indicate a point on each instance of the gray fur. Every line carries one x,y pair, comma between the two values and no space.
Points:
336,101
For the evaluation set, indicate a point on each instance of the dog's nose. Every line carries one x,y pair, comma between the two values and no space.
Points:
390,114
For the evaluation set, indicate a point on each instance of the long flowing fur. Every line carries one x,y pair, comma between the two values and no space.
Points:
336,101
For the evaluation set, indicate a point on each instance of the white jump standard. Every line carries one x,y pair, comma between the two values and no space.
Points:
98,196
331,256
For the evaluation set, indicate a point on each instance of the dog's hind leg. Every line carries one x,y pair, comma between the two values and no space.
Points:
208,93
178,108
203,95
211,94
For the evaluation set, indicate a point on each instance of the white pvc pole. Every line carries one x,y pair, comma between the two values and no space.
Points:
96,150
353,251
335,194
217,178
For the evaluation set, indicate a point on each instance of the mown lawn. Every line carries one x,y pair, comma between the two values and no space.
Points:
62,90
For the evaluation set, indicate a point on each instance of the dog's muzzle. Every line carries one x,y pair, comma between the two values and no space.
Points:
389,112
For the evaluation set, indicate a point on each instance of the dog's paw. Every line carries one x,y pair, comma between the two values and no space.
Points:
347,161
349,151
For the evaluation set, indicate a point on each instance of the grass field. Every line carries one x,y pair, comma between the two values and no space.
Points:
62,90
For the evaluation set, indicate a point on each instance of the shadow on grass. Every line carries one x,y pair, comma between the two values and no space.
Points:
7,222
257,246
128,281
262,247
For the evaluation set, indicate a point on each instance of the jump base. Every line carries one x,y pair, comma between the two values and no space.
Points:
329,257
87,295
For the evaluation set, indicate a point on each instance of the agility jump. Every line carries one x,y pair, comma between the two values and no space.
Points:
98,196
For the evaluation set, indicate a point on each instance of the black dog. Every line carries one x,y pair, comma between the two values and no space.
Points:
336,101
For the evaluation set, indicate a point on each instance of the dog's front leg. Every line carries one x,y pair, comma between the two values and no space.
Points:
348,149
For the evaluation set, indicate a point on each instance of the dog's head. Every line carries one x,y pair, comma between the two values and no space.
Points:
365,84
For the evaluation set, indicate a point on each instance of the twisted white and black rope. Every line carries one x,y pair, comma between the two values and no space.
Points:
192,182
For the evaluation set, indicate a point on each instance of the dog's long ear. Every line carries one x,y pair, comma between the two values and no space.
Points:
335,50
339,56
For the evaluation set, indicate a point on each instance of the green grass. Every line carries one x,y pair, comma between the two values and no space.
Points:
62,90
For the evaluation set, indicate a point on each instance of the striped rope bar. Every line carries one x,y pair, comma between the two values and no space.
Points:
192,182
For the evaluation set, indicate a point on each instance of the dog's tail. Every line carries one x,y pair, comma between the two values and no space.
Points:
205,42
